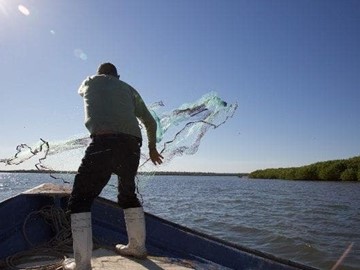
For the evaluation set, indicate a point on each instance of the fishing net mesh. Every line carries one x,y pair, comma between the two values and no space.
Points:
179,132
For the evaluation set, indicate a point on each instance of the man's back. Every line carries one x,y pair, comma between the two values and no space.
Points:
109,105
111,111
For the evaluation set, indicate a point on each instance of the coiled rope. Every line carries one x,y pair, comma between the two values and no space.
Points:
49,255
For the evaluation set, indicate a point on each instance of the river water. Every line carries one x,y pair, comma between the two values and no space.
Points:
306,221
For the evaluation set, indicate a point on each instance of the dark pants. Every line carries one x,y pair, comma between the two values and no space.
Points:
107,154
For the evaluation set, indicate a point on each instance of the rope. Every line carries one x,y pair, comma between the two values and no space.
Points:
49,255
36,259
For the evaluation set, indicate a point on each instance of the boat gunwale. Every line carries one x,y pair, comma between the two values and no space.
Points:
237,247
219,240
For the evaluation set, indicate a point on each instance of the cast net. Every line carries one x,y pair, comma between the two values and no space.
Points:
180,132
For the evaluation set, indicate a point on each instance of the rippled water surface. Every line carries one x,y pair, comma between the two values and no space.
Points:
309,222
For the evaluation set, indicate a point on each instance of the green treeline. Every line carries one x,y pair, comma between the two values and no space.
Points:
333,170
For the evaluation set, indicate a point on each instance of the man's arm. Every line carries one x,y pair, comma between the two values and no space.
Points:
84,85
149,122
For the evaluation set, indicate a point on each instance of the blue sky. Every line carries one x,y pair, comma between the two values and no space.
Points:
292,66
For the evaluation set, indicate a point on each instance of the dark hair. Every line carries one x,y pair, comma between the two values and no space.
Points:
107,69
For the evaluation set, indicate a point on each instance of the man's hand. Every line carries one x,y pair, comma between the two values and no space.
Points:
155,157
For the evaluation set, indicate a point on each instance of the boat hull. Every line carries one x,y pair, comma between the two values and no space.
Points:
164,238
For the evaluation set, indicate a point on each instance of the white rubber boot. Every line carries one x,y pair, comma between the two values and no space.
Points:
82,242
135,226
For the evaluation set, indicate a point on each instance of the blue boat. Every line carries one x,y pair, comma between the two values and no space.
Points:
26,236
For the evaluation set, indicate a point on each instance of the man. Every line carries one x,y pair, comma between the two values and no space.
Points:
112,108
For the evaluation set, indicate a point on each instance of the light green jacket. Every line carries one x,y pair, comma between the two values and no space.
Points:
113,106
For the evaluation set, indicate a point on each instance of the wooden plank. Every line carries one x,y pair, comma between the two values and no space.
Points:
108,259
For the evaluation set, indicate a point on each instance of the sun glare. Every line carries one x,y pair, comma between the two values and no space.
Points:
6,8
24,10
3,7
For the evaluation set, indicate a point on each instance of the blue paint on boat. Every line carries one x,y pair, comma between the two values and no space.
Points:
164,238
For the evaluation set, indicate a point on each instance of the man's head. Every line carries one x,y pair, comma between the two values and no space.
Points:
108,69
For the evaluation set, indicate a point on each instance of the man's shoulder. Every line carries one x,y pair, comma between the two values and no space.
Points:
101,80
125,84
90,79
129,87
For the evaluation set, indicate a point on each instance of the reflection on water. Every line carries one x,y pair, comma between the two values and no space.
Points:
309,222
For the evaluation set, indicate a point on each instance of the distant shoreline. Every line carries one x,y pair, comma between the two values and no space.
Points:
140,173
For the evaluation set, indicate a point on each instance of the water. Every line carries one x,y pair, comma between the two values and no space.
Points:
309,222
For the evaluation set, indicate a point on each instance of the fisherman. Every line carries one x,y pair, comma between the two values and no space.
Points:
112,109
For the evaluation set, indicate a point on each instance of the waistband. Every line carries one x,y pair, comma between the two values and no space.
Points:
114,136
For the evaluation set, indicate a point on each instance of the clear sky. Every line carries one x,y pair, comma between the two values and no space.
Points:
292,66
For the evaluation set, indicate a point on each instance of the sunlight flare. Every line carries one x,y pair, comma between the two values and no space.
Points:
3,8
24,10
79,53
